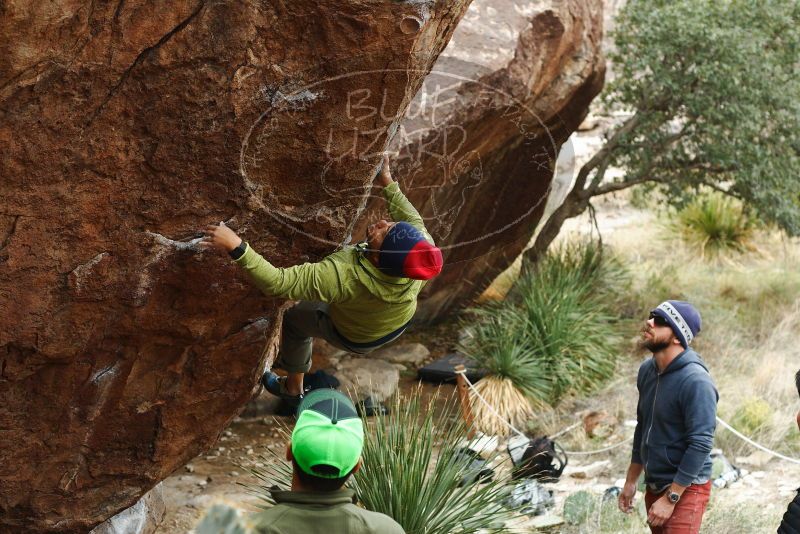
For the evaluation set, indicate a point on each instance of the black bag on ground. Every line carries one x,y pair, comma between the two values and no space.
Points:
444,369
540,458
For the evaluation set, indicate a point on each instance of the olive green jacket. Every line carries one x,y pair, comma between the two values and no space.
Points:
365,304
299,512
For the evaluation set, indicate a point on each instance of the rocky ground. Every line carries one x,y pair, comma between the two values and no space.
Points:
220,474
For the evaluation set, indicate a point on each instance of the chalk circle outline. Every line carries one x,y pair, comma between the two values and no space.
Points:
365,189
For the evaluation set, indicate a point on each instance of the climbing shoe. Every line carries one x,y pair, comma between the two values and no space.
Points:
277,386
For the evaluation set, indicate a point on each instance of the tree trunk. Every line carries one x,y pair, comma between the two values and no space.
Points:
574,204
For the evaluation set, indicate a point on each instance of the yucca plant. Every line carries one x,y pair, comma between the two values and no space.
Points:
715,224
412,471
423,491
556,332
567,301
499,344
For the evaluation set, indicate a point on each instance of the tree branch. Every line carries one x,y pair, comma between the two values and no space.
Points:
604,154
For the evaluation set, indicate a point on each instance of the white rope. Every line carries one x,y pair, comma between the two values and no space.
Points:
509,425
570,428
512,427
756,445
623,442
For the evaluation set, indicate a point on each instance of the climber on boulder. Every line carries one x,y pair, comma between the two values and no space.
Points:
358,298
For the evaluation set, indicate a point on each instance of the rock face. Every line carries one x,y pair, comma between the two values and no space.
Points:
477,150
124,128
144,517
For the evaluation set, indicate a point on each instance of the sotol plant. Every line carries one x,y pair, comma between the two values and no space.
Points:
412,472
556,333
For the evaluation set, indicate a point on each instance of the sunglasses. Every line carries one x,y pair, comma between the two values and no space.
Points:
658,320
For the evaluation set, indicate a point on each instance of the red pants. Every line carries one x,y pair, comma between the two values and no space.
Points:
688,513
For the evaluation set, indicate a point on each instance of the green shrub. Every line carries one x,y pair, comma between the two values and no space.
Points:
751,416
500,344
578,507
715,224
402,478
566,302
556,332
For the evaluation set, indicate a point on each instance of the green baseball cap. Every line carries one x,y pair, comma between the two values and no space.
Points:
328,432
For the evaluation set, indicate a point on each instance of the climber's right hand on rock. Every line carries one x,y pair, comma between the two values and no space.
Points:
220,237
385,176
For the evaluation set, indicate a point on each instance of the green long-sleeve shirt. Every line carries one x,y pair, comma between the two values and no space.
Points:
365,304
322,513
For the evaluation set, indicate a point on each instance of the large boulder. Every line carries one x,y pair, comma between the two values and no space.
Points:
125,127
478,147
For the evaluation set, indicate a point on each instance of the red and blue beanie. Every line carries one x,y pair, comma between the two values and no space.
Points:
406,253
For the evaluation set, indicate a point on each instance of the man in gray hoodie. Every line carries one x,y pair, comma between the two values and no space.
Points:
676,418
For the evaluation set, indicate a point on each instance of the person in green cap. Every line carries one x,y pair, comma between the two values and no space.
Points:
325,450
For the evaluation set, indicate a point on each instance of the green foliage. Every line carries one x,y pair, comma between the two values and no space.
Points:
578,507
714,93
499,342
715,224
402,479
556,332
753,415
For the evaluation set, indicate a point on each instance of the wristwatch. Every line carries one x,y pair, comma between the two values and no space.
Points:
239,251
673,497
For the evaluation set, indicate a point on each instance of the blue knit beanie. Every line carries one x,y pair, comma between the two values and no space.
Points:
683,318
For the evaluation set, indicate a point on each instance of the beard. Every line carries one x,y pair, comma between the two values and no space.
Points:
652,344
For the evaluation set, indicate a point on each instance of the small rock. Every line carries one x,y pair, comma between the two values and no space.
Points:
227,433
589,123
599,424
547,521
368,377
189,468
221,449
408,353
588,471
212,457
234,473
248,451
202,483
